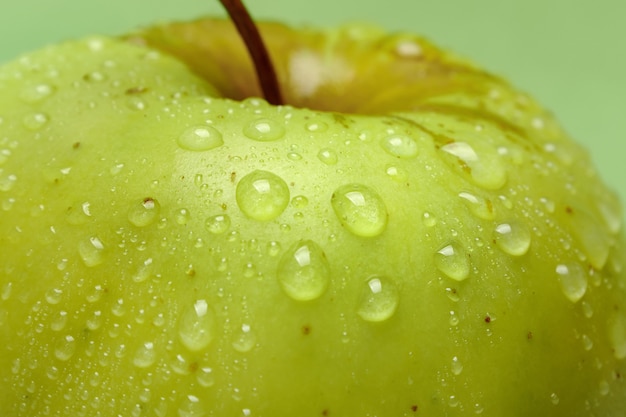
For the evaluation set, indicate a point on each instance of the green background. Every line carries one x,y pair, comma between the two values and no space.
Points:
570,54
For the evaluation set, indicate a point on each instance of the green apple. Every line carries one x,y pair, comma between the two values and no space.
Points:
408,236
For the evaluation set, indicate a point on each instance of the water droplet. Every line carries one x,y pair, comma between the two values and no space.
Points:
456,366
145,356
429,219
299,201
273,248
262,195
191,406
294,156
483,164
197,326
180,365
617,335
360,210
59,321
7,182
591,235
54,296
587,342
205,377
36,93
316,126
65,348
396,173
218,224
79,213
7,289
453,261
480,207
513,238
244,340
328,156
379,299
264,130
35,121
604,388
401,146
144,212
145,271
554,398
91,251
303,271
182,216
200,138
587,309
573,281
95,321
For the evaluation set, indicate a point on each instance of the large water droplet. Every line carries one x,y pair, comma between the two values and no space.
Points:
197,326
91,251
262,195
360,210
145,355
264,130
401,146
303,271
573,281
144,212
480,207
379,299
513,237
453,261
483,164
200,138
65,349
218,224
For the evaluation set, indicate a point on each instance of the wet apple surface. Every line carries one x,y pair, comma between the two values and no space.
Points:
408,235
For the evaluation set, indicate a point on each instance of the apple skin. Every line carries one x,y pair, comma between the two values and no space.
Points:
167,251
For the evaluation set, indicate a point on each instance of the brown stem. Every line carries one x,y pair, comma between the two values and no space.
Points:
256,48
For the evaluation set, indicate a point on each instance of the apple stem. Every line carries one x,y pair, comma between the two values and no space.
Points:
256,48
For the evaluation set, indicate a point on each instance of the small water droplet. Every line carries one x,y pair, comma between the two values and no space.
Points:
454,319
200,138
65,349
35,121
429,219
205,377
379,299
294,156
480,207
328,156
7,182
182,216
554,398
453,261
456,366
192,406
299,201
483,164
591,235
573,281
513,237
401,146
316,126
36,93
91,251
54,296
218,224
197,326
7,289
262,195
95,321
587,309
94,294
264,130
59,321
303,271
180,365
396,173
145,355
244,339
79,213
587,342
145,271
604,388
144,212
273,248
617,335
360,210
